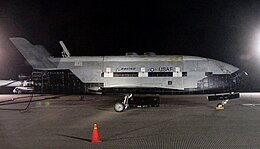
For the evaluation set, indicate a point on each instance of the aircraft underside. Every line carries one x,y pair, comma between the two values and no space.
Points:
64,81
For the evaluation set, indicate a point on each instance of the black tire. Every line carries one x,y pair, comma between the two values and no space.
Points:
119,107
219,105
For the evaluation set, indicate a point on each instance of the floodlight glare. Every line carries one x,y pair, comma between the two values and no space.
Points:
256,42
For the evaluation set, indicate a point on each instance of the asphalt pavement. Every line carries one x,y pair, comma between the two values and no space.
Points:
186,121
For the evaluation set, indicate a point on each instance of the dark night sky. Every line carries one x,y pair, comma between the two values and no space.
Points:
223,30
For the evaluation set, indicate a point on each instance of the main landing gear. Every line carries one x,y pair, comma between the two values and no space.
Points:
120,107
137,101
225,98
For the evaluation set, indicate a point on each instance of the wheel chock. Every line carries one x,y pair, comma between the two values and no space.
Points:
220,108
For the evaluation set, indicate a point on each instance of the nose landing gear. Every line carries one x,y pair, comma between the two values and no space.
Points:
220,106
225,98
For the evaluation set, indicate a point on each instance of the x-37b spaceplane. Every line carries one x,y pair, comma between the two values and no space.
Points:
149,75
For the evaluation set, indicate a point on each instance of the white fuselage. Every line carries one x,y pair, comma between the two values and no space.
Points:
162,71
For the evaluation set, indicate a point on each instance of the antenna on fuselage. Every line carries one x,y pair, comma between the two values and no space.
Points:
65,52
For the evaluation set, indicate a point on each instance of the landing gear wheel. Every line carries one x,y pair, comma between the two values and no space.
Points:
119,107
220,106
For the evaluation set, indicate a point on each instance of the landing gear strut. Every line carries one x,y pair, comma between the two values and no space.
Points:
120,107
220,106
224,97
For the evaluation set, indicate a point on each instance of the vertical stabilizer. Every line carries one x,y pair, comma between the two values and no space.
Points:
36,55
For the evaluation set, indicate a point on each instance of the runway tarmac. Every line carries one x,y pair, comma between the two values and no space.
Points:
187,121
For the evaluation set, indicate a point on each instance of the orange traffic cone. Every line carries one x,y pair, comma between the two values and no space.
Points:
95,135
